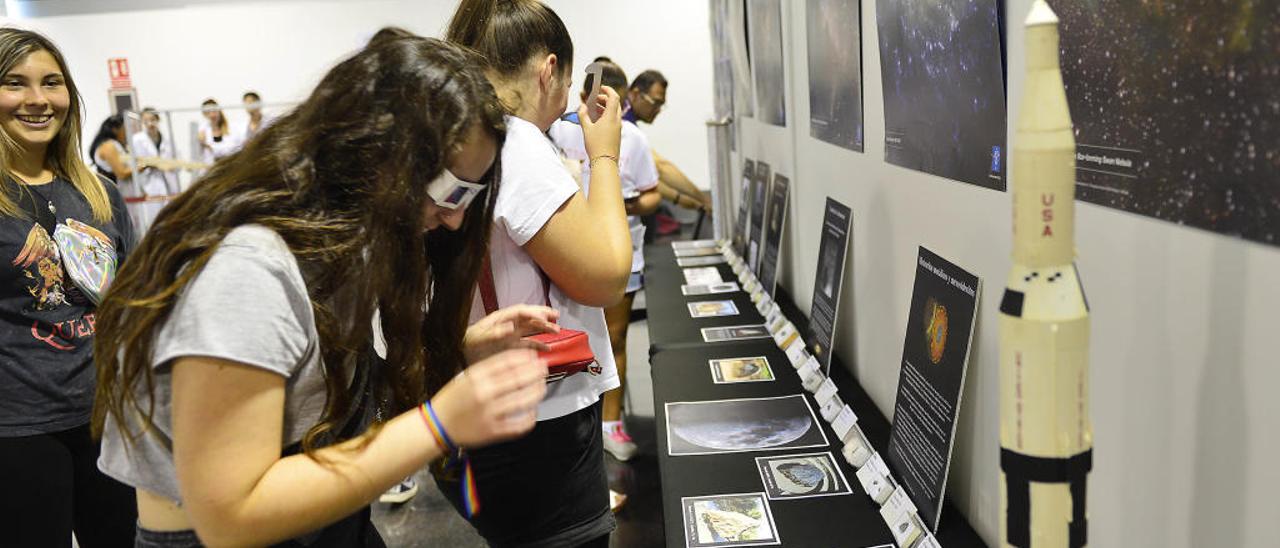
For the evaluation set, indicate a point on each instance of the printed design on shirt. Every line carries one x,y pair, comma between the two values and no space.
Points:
42,266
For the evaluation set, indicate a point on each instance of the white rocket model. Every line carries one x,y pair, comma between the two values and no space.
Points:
1046,438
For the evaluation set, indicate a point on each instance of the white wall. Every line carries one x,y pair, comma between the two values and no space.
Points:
178,57
1184,363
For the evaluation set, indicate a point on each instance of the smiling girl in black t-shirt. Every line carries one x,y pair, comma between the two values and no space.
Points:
51,484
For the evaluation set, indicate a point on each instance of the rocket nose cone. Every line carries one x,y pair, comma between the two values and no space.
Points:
1041,14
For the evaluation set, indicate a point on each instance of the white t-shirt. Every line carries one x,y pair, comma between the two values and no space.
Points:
534,185
636,169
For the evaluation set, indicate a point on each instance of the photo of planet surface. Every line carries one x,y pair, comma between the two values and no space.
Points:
801,476
765,38
834,37
728,520
733,426
1176,108
942,64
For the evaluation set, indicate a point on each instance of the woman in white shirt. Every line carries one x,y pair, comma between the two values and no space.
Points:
109,153
217,141
549,488
155,186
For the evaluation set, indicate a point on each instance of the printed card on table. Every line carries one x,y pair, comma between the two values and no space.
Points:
728,520
700,261
712,309
736,370
802,476
691,290
734,333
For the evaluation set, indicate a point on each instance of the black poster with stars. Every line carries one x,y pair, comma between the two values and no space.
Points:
1176,105
942,65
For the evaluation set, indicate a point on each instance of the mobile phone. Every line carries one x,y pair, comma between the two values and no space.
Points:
594,109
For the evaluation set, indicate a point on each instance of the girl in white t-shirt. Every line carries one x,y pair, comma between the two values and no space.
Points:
639,176
549,488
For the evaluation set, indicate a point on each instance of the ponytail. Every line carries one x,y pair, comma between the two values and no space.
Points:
509,32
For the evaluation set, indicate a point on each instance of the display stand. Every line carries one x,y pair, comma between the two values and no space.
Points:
681,373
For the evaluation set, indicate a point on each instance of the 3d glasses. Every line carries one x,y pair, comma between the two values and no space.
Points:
451,192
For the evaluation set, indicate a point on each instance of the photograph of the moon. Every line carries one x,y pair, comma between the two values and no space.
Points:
942,64
728,426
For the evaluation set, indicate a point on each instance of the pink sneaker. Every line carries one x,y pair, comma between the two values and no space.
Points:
619,444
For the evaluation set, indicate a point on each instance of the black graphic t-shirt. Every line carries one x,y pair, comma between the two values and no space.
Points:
46,324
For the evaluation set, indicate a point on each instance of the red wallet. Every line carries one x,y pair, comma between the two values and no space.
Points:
570,353
570,350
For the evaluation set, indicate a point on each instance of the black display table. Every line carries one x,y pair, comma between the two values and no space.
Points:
670,325
680,371
851,520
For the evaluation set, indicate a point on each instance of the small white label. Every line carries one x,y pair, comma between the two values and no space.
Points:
809,369
797,355
831,409
844,422
878,462
873,482
781,329
855,453
928,542
826,391
812,383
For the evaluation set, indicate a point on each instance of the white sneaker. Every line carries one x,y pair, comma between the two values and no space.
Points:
619,444
400,493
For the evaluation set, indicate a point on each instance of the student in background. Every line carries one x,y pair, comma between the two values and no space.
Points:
217,141
50,485
549,488
640,194
110,155
646,97
256,120
157,183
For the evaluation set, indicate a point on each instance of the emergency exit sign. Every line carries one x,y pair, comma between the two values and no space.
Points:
118,68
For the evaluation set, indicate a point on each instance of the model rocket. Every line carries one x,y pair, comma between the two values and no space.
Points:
1046,439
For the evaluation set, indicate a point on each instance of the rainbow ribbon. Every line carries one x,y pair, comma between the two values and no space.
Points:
470,495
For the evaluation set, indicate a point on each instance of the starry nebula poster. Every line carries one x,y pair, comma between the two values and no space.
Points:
765,34
942,64
1176,105
834,29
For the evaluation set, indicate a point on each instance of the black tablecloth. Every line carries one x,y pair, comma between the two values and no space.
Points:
851,520
670,324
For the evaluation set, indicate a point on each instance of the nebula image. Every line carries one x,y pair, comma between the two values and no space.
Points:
1176,107
834,30
944,95
765,37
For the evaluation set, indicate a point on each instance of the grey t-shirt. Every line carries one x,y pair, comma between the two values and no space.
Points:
248,305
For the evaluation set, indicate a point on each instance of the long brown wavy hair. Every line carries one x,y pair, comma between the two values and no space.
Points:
63,153
342,179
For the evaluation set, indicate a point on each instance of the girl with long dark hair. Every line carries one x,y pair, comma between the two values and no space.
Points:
238,390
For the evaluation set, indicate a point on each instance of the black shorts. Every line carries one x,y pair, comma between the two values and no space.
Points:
548,488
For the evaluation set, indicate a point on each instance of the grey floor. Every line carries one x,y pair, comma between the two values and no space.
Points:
429,520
